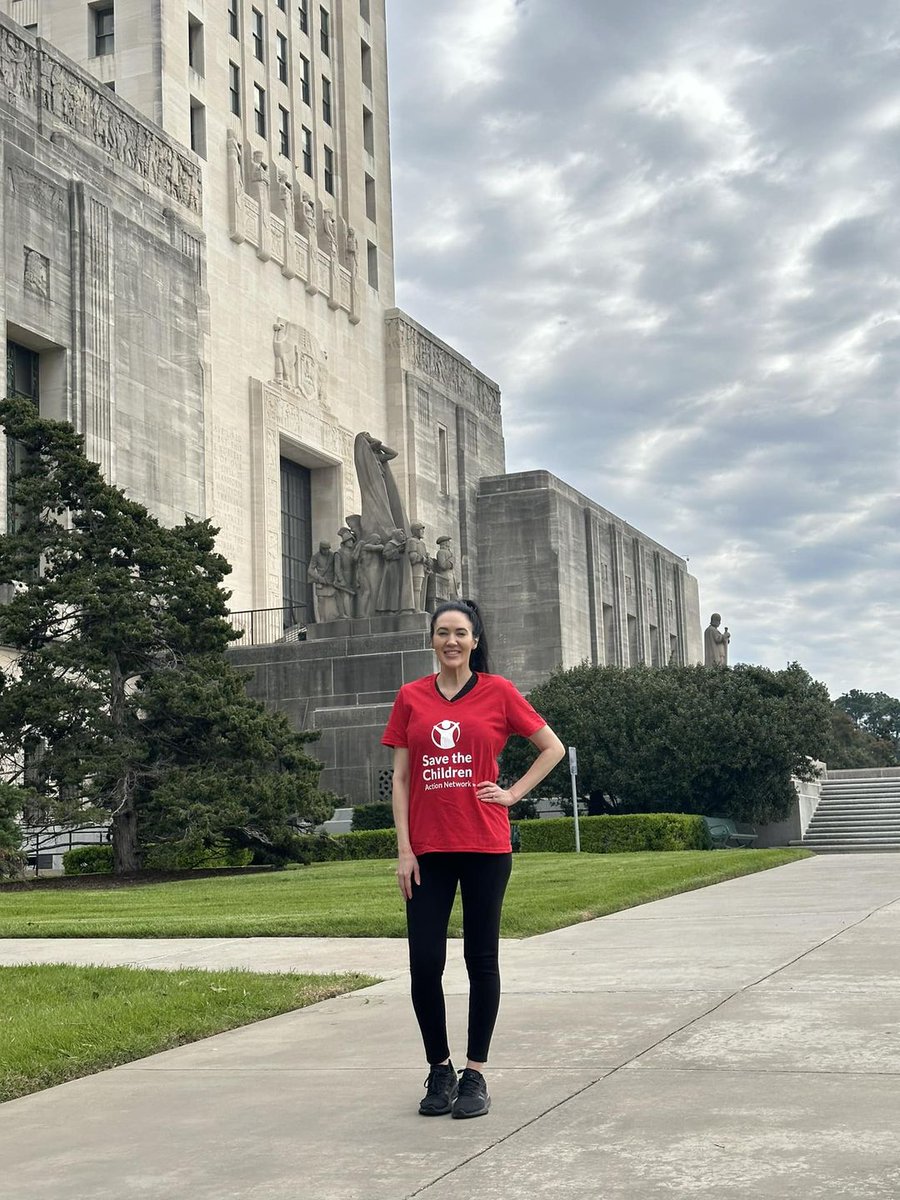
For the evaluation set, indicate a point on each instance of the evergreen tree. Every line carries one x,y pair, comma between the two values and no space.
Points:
120,678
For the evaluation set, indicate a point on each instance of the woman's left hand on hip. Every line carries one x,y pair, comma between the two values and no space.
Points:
493,793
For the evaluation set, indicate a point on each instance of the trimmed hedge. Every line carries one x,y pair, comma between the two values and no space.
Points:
88,860
369,843
599,835
373,816
616,834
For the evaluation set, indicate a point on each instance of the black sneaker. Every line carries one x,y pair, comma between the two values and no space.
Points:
473,1099
442,1088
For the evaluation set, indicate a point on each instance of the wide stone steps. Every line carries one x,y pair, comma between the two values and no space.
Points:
855,814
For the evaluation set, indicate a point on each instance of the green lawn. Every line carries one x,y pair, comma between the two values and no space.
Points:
59,1023
360,899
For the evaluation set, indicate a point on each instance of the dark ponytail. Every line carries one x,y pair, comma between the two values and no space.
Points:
479,660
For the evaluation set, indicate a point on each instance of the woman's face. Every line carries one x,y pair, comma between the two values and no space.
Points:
453,640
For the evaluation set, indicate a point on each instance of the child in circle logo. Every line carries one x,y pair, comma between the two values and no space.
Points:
445,734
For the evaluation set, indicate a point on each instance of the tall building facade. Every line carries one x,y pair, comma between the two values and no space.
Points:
199,274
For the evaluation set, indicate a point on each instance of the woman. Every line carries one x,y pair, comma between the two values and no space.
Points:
452,821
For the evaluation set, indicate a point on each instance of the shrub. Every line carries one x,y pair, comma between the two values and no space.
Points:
317,847
88,860
616,835
176,856
373,816
369,843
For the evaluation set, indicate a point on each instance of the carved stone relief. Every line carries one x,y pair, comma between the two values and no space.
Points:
18,68
439,364
261,191
301,363
37,273
289,241
91,111
235,153
36,192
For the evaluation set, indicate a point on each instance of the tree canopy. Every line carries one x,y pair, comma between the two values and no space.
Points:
875,716
684,739
121,696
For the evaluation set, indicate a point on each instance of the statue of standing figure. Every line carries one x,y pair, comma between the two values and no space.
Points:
321,575
345,571
445,586
394,594
420,561
715,643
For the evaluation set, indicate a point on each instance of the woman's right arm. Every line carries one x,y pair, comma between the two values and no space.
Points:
407,863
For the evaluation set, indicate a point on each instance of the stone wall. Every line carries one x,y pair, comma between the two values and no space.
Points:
342,683
562,581
446,424
103,263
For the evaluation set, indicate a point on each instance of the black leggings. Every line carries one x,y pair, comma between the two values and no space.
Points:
482,879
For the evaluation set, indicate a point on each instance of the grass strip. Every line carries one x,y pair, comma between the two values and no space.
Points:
59,1023
360,899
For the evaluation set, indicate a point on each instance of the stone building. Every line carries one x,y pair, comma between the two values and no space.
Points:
198,264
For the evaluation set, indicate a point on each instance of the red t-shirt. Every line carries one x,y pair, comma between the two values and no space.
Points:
453,746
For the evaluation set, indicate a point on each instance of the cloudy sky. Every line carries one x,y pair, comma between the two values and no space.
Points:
670,229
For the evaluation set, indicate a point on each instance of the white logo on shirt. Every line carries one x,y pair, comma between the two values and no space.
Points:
445,734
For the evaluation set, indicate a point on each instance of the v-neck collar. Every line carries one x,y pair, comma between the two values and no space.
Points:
463,691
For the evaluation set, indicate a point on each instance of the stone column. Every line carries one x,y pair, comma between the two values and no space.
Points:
289,250
95,325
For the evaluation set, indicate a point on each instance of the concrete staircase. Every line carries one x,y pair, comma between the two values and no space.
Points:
858,811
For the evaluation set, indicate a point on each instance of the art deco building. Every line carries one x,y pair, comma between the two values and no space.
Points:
198,264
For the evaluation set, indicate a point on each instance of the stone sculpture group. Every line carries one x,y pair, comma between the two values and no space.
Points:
383,565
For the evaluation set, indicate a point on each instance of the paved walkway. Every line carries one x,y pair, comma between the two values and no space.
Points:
735,1042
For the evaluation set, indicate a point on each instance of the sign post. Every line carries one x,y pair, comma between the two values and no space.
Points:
573,772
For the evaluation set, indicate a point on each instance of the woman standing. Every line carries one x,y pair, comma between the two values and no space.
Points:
452,821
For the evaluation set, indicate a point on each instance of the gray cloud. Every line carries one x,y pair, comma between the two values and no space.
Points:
673,227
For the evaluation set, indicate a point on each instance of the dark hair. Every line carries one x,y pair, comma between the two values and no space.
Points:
479,659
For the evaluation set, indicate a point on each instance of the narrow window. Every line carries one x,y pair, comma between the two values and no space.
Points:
259,110
304,79
443,461
325,30
365,63
368,132
281,54
281,4
372,263
326,100
364,10
370,197
303,12
233,26
198,127
234,88
195,45
104,31
329,170
259,35
284,131
307,150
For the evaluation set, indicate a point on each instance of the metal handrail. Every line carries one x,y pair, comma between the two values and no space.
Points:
265,626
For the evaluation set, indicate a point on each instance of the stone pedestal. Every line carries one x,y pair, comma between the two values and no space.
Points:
342,681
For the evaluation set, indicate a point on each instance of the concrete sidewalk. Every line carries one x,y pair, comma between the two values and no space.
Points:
738,1041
